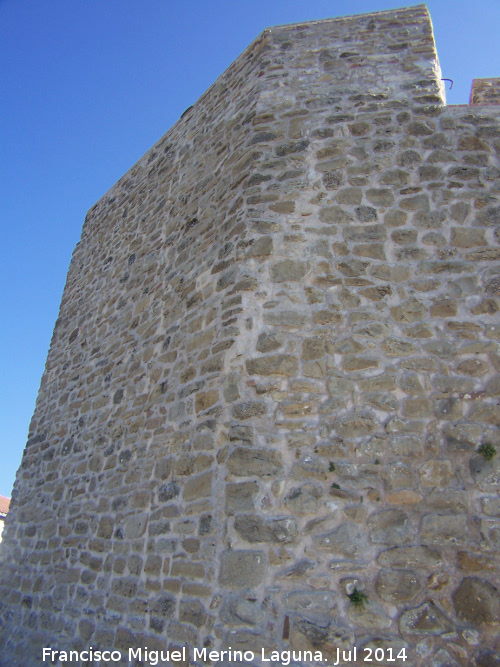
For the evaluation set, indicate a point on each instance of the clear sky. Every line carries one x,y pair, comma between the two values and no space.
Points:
87,87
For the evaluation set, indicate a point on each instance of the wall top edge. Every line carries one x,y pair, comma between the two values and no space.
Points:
348,17
254,46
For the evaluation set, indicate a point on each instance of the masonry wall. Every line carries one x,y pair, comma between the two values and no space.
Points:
275,361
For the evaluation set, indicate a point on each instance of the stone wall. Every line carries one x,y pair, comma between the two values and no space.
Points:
269,414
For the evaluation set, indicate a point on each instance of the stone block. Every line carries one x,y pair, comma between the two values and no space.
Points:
247,462
346,541
444,529
278,364
198,487
476,601
288,270
397,586
242,568
192,612
240,497
390,527
254,528
425,620
303,499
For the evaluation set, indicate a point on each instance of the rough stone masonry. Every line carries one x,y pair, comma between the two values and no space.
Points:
269,415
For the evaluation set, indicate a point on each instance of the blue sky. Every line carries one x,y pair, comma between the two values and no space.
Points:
87,87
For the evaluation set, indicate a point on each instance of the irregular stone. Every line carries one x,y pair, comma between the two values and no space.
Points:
334,214
311,601
188,569
241,610
359,128
205,400
419,129
435,473
350,196
379,292
283,318
476,601
487,659
313,633
254,528
382,382
364,233
462,436
444,529
288,270
315,348
240,568
339,385
425,619
417,408
397,585
278,364
485,474
262,247
193,612
198,487
409,311
267,342
366,213
246,462
416,203
310,468
404,497
389,527
348,346
397,475
353,425
394,347
354,267
380,196
444,308
345,494
249,409
298,569
314,369
474,562
135,526
416,557
240,497
304,499
283,207
327,317
410,384
390,273
395,177
465,237
491,506
448,499
347,541
360,473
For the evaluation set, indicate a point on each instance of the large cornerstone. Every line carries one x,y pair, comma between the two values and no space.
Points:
268,422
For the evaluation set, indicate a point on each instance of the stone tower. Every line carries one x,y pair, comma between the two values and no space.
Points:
269,415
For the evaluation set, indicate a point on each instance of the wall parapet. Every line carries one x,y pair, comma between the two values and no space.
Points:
485,91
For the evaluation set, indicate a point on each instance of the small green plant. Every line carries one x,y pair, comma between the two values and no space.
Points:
377,462
487,451
358,598
335,486
331,467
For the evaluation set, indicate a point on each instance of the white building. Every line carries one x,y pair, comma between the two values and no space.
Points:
4,509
